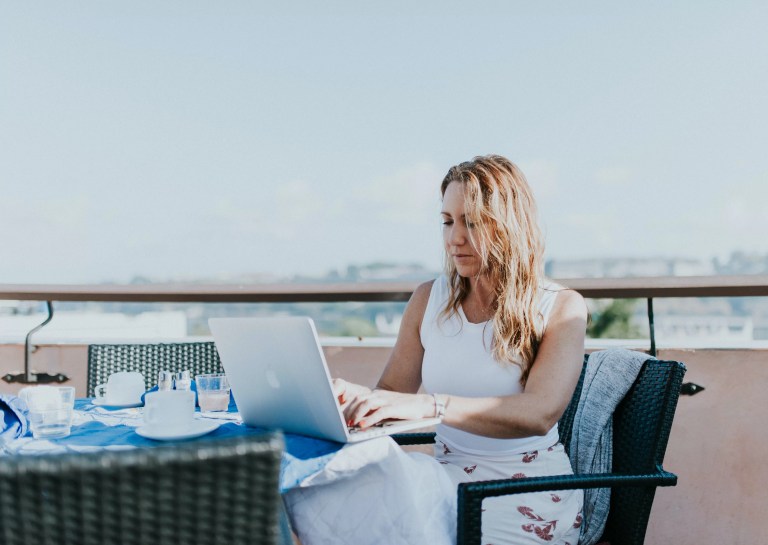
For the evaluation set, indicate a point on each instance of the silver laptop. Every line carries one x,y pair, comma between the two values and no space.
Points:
280,379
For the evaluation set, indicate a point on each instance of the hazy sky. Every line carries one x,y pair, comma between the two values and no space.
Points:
192,139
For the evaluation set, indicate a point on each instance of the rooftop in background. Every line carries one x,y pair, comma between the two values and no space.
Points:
627,267
737,263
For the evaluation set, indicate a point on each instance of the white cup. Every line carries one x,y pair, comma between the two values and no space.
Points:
122,388
170,409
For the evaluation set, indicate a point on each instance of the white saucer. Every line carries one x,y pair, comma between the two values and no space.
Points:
196,429
102,402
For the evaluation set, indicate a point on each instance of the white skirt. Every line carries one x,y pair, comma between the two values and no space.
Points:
375,493
534,517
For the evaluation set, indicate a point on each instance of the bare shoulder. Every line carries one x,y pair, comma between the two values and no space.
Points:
420,295
569,305
417,304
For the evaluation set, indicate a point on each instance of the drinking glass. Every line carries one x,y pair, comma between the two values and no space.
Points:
212,392
50,410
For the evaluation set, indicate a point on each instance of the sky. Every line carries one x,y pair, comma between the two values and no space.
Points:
188,140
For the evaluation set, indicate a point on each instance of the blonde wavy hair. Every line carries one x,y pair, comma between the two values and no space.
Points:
506,234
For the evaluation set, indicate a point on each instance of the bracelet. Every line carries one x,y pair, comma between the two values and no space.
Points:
439,407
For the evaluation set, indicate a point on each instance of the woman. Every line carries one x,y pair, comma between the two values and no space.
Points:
499,351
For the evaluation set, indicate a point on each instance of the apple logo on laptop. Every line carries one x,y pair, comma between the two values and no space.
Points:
272,379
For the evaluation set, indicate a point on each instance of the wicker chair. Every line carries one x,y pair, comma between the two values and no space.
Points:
149,359
202,492
641,426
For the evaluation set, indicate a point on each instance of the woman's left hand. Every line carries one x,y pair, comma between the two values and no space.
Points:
369,409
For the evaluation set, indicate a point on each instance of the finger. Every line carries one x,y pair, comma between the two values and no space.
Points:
351,399
384,412
350,408
357,409
362,409
339,387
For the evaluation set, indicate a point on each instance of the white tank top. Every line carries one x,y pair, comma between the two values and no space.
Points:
458,361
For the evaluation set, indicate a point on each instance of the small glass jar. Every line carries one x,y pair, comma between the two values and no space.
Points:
183,381
164,381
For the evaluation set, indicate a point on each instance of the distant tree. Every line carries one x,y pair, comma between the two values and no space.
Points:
613,320
355,327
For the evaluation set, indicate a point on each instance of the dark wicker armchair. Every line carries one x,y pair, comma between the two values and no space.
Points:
149,359
202,492
641,426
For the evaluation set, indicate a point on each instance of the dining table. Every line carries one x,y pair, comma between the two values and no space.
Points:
96,427
305,462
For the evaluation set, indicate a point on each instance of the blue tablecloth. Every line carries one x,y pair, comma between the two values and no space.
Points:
95,427
13,420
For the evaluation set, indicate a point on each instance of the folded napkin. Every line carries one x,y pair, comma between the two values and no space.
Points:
13,418
232,405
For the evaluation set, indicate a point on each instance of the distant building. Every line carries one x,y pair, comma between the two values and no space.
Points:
96,326
627,267
382,272
388,325
713,330
743,263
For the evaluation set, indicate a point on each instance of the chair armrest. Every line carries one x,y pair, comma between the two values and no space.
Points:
414,438
502,487
471,494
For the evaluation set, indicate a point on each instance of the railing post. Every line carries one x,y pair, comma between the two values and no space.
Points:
27,345
28,377
651,327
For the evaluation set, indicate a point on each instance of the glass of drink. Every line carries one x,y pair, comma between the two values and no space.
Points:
212,392
50,410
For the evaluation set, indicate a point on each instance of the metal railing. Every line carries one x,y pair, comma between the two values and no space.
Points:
648,288
590,288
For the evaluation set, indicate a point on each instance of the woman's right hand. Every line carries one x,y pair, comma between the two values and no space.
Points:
348,391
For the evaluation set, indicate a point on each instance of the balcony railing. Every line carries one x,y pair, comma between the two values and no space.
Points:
591,288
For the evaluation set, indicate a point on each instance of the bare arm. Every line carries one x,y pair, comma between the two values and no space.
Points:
395,395
549,388
403,370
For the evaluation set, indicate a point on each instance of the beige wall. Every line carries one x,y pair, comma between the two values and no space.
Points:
718,446
71,360
719,437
